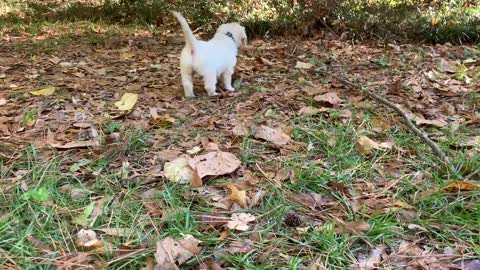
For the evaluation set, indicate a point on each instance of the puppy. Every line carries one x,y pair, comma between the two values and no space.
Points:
211,59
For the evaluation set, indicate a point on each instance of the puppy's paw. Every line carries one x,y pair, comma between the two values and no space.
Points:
212,94
189,95
230,89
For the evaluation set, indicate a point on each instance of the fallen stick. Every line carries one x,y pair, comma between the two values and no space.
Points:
420,133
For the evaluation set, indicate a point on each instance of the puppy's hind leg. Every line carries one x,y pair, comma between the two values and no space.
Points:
210,79
227,79
187,80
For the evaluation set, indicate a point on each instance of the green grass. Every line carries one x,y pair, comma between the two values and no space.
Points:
446,218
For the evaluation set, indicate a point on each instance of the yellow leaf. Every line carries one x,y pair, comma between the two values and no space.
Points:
127,102
44,92
435,20
402,204
238,196
461,186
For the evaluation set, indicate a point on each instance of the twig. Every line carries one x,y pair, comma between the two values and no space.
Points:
420,133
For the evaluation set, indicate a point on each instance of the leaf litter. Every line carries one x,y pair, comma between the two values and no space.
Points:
432,93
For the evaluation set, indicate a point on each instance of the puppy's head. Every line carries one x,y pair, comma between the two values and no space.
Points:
238,32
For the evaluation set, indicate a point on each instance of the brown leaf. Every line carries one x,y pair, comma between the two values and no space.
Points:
365,145
311,200
170,251
238,196
445,66
456,186
168,154
240,247
214,219
276,136
251,178
215,163
197,180
352,227
240,130
76,144
435,122
239,221
373,261
39,244
330,97
309,110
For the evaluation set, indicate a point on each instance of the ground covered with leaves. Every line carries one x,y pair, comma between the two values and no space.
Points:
104,163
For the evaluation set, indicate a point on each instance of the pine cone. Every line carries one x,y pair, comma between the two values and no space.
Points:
292,219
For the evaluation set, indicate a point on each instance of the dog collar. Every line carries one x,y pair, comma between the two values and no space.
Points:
230,36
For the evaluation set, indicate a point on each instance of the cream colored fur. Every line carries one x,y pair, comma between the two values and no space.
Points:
211,59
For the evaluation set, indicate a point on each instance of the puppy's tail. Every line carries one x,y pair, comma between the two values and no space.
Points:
190,39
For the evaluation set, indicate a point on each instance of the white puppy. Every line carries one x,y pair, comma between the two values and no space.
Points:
211,59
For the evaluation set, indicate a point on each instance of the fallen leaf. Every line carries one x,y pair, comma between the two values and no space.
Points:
456,186
168,155
76,144
127,102
194,150
373,261
239,221
87,239
214,219
435,122
352,227
309,110
121,232
445,66
39,244
43,92
179,170
311,200
3,101
303,65
281,176
266,61
197,180
240,247
402,204
171,251
215,163
240,130
365,145
251,178
276,136
330,97
238,196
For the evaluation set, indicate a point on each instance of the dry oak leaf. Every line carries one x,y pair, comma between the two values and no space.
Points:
170,251
273,135
239,221
330,97
215,163
365,145
238,196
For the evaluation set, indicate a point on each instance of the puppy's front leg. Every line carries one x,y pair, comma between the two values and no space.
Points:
187,80
227,79
210,79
